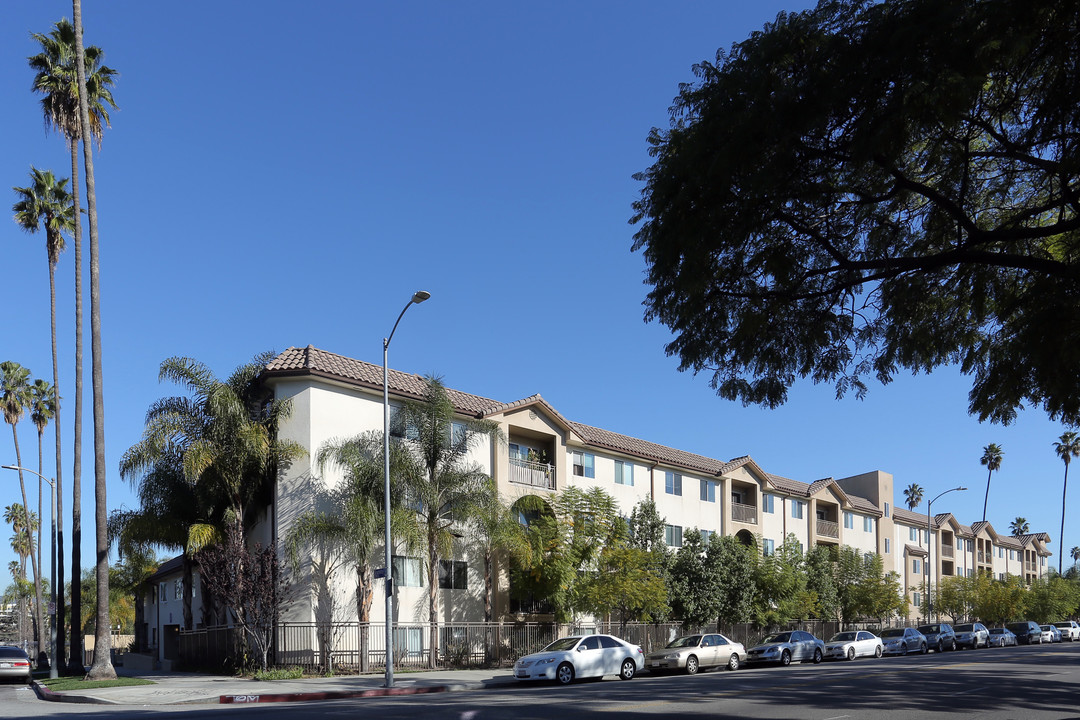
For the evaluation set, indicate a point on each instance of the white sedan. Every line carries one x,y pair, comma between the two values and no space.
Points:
852,644
581,656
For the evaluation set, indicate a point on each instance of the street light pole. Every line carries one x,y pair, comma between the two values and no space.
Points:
53,672
930,555
418,297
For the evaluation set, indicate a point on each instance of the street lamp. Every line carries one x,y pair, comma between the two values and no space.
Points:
930,554
53,673
418,297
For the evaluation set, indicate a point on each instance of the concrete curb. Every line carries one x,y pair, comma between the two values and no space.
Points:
45,693
331,695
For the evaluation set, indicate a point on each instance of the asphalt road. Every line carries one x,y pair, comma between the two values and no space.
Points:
1029,683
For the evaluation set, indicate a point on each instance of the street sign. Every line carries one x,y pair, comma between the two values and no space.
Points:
380,573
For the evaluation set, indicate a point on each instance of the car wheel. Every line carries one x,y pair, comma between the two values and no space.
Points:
924,649
952,646
626,672
785,657
878,651
939,647
733,662
691,665
903,648
851,653
564,675
817,655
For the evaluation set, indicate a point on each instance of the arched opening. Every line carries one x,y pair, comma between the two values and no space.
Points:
746,538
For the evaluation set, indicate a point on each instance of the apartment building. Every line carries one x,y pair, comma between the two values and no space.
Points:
338,397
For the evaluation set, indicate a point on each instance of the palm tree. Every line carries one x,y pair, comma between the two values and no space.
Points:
22,542
1019,527
14,399
1075,554
58,82
42,410
991,458
1067,447
913,495
439,482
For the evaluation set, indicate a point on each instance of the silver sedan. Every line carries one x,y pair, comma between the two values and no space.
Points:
697,652
852,644
787,647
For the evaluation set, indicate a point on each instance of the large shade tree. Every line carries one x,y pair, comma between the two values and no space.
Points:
57,81
870,187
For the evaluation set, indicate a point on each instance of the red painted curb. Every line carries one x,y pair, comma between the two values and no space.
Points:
302,697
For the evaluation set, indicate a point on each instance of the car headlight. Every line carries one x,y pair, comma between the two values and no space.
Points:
770,651
671,656
545,661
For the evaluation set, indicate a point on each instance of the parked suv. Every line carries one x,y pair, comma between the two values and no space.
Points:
1069,630
939,636
1027,632
972,635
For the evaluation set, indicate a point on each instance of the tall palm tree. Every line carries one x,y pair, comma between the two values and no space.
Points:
42,410
57,81
440,482
991,458
1019,527
1075,554
22,542
913,495
1067,447
14,399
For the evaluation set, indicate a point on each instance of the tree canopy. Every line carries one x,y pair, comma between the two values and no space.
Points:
868,187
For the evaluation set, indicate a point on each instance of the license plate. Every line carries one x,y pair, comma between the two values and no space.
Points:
655,663
6,665
523,674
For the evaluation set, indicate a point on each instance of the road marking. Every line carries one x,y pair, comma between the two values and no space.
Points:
965,692
838,717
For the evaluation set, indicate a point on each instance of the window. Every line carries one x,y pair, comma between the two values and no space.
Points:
767,503
672,483
916,599
162,593
915,566
673,535
407,571
1001,576
887,545
453,575
705,535
868,524
849,521
969,545
1001,552
768,547
178,589
399,429
886,509
584,464
736,497
913,534
458,433
797,509
624,473
708,491
1012,554
970,572
959,544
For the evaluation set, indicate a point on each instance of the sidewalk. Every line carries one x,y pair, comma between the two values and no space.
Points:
192,688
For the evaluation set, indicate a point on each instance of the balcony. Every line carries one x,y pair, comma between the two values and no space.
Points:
533,474
827,528
947,551
744,513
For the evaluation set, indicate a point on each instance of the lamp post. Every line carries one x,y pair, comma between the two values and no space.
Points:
930,554
53,673
418,297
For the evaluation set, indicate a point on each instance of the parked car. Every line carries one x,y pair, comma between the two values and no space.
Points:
14,664
787,647
852,644
1002,637
972,635
1070,630
1027,632
901,641
939,636
697,652
581,656
1050,633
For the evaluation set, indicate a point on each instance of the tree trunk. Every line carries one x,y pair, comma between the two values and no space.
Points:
102,668
77,653
188,587
1061,537
38,615
364,594
58,484
433,594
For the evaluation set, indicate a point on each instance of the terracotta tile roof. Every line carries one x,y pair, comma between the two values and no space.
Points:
914,550
911,518
863,505
642,448
787,485
965,531
1009,542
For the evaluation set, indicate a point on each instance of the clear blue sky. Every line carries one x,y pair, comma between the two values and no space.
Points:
288,174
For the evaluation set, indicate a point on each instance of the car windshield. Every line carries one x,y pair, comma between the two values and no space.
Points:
777,638
924,629
566,643
892,632
964,628
997,631
842,637
688,641
1047,627
1063,624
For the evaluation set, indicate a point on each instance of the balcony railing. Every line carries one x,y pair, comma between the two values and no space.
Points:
982,556
744,513
827,528
947,551
534,474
